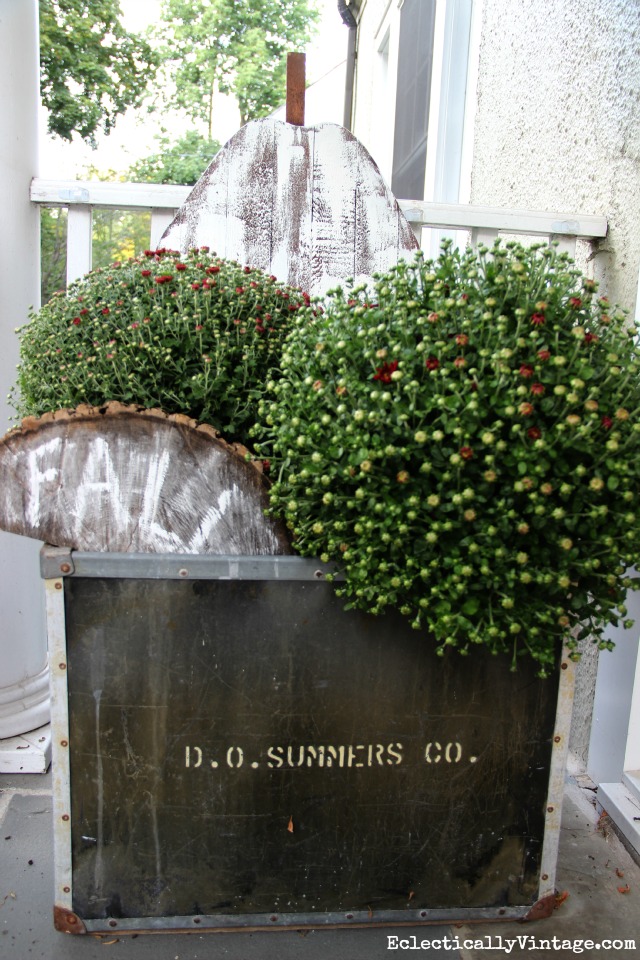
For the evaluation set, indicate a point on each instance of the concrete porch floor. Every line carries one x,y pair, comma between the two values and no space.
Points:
601,880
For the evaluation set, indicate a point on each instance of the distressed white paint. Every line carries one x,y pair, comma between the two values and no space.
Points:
29,753
23,651
307,204
133,482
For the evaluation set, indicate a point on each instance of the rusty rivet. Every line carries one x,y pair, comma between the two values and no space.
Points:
196,919
65,568
71,918
62,666
273,919
64,743
65,816
113,923
66,889
545,876
557,739
564,666
550,809
183,572
58,585
501,911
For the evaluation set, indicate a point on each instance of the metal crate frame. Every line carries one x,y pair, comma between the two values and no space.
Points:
58,563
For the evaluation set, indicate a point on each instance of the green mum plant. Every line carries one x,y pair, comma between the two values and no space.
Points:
464,441
195,335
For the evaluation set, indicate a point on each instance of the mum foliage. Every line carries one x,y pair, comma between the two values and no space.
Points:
464,441
195,335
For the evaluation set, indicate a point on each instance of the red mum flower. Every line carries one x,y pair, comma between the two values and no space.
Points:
526,409
105,311
575,302
526,370
212,270
239,289
432,363
466,453
383,373
590,337
181,266
462,339
164,278
537,389
534,433
247,269
459,362
607,423
77,321
195,286
537,319
544,354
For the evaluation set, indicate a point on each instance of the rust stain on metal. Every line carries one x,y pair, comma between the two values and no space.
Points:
541,910
67,922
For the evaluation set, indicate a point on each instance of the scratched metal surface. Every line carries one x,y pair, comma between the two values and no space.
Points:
242,748
307,204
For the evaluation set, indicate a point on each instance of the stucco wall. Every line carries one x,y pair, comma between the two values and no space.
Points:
557,119
557,128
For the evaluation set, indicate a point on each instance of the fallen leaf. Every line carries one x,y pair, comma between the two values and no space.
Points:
625,889
108,943
290,825
561,897
619,873
370,912
411,895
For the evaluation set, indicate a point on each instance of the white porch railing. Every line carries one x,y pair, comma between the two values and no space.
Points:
482,224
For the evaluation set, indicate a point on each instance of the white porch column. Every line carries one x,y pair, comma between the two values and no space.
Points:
24,689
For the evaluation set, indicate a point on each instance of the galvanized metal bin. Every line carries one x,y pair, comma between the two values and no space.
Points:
233,749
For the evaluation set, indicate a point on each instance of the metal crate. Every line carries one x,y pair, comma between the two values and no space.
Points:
233,749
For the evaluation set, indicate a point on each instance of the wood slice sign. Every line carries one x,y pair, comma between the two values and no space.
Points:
125,480
307,204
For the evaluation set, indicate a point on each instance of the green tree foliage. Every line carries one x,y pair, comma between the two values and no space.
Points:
53,251
91,68
179,161
237,48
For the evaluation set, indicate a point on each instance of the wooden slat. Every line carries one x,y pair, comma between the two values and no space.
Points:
418,213
331,214
79,240
482,235
63,193
506,220
160,220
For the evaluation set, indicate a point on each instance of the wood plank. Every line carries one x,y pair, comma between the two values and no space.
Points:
445,215
126,480
321,176
28,753
79,242
505,219
66,193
